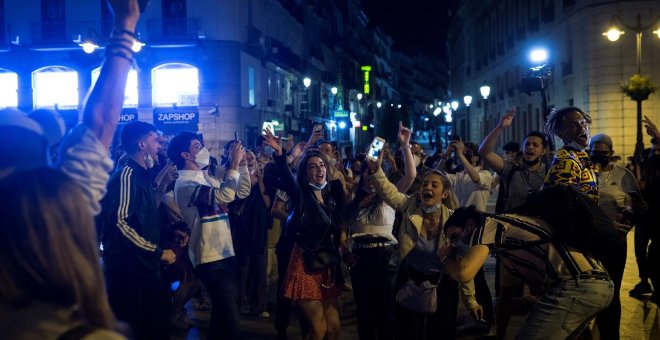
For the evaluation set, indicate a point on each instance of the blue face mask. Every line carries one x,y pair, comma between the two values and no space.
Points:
268,150
318,186
431,209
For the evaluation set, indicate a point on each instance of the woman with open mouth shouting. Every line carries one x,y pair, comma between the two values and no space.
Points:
426,297
314,226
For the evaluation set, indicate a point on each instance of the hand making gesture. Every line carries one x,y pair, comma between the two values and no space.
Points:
507,119
274,142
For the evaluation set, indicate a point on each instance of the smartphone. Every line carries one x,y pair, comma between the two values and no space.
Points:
317,128
235,136
375,149
455,137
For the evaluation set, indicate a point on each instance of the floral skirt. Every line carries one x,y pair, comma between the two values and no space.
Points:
299,284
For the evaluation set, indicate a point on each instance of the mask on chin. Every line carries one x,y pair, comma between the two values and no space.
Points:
148,160
318,186
574,145
532,162
432,208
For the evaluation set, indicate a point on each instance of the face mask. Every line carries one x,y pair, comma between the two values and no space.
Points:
461,248
531,163
431,209
268,150
318,186
600,159
416,160
148,161
203,157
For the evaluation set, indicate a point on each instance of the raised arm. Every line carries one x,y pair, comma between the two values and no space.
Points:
411,172
471,170
289,183
385,188
486,152
106,101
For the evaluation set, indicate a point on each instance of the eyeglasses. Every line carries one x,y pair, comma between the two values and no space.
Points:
198,146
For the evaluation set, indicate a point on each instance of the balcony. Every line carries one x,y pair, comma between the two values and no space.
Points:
169,30
61,32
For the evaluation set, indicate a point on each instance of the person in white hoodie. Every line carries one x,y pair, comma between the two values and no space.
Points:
202,200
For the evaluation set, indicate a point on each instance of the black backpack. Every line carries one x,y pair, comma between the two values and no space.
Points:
577,220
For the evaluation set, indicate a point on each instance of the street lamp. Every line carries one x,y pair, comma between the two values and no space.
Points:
333,90
613,34
379,104
467,100
454,105
359,96
307,82
485,92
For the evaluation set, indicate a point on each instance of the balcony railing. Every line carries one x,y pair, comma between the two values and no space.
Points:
185,29
64,31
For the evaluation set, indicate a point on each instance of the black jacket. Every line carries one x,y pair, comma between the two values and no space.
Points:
130,231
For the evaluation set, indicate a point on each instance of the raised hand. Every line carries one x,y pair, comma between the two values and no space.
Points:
126,13
236,154
290,142
374,165
274,142
458,146
507,119
166,176
404,135
651,128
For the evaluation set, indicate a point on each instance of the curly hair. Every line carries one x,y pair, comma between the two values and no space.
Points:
556,117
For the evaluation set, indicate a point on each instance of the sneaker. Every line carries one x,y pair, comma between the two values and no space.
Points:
642,288
264,315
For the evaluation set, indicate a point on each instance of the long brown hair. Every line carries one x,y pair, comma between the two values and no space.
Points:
48,246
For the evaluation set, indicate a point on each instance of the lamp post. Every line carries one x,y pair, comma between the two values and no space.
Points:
613,34
467,100
485,92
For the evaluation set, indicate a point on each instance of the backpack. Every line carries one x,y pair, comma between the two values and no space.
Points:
576,219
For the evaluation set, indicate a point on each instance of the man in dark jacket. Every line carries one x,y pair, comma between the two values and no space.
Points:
130,235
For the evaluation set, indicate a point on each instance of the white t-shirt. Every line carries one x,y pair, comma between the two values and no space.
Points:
469,192
614,187
380,225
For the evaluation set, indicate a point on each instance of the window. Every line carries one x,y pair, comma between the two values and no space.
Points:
131,93
8,88
175,83
251,98
55,86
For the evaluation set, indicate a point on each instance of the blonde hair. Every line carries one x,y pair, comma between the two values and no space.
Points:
48,246
450,201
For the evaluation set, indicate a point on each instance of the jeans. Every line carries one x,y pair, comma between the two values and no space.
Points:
141,302
219,279
609,320
565,310
373,277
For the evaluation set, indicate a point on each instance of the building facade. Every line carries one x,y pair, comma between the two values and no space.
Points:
490,42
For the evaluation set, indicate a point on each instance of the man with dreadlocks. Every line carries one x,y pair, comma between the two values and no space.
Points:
571,164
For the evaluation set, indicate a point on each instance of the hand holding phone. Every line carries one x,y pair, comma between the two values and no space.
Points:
375,149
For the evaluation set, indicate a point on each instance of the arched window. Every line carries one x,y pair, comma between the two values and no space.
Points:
8,89
55,85
175,83
131,93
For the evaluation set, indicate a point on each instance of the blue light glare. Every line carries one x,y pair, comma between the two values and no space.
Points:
175,84
538,56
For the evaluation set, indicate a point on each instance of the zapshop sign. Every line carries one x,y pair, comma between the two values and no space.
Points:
182,118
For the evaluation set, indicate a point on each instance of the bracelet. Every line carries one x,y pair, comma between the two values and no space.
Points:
116,45
118,54
120,31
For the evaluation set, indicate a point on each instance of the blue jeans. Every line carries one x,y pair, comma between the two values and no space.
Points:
219,279
565,310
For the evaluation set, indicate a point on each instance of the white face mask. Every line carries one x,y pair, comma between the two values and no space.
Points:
148,160
432,208
203,158
318,186
576,146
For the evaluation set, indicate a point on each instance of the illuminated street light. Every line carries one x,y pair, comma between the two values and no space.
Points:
359,96
342,125
454,105
88,46
333,90
538,56
485,91
137,46
430,106
613,34
467,100
307,82
437,111
398,106
379,104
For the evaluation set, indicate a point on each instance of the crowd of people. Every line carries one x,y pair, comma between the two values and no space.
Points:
91,244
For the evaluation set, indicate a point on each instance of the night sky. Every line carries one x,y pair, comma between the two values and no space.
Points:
415,25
